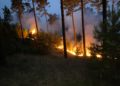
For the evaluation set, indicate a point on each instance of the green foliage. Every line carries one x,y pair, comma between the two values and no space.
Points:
17,6
41,6
52,18
71,6
42,3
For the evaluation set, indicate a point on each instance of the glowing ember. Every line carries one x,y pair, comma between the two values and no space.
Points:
69,51
99,56
73,51
33,31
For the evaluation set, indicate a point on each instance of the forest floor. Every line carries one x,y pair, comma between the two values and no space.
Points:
55,70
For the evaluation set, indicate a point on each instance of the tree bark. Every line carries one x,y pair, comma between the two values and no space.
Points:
63,30
104,30
83,28
35,18
21,27
104,2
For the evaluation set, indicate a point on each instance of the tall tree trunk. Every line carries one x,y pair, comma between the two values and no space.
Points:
104,30
74,29
63,30
104,2
46,19
112,12
83,28
113,3
20,21
35,18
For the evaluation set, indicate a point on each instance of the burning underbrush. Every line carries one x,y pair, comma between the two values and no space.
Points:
47,42
44,42
76,49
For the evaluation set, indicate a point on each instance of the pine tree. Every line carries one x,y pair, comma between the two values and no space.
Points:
83,27
111,48
7,14
36,23
18,7
70,7
42,8
63,29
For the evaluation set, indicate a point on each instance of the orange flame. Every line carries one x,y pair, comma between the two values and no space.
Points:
33,31
73,51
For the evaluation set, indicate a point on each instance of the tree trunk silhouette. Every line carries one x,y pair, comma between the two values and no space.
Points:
46,20
104,2
17,6
63,30
74,29
113,12
104,30
20,21
83,28
35,18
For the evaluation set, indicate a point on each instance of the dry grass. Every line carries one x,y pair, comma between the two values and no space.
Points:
49,70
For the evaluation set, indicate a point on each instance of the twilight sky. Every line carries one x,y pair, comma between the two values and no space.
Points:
54,3
3,3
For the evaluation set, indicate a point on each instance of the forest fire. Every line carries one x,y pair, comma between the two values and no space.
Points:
73,50
69,51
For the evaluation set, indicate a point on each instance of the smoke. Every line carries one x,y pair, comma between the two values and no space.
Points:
90,19
28,21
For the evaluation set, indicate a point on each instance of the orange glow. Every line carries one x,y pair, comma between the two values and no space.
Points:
73,49
88,53
69,51
33,31
99,56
